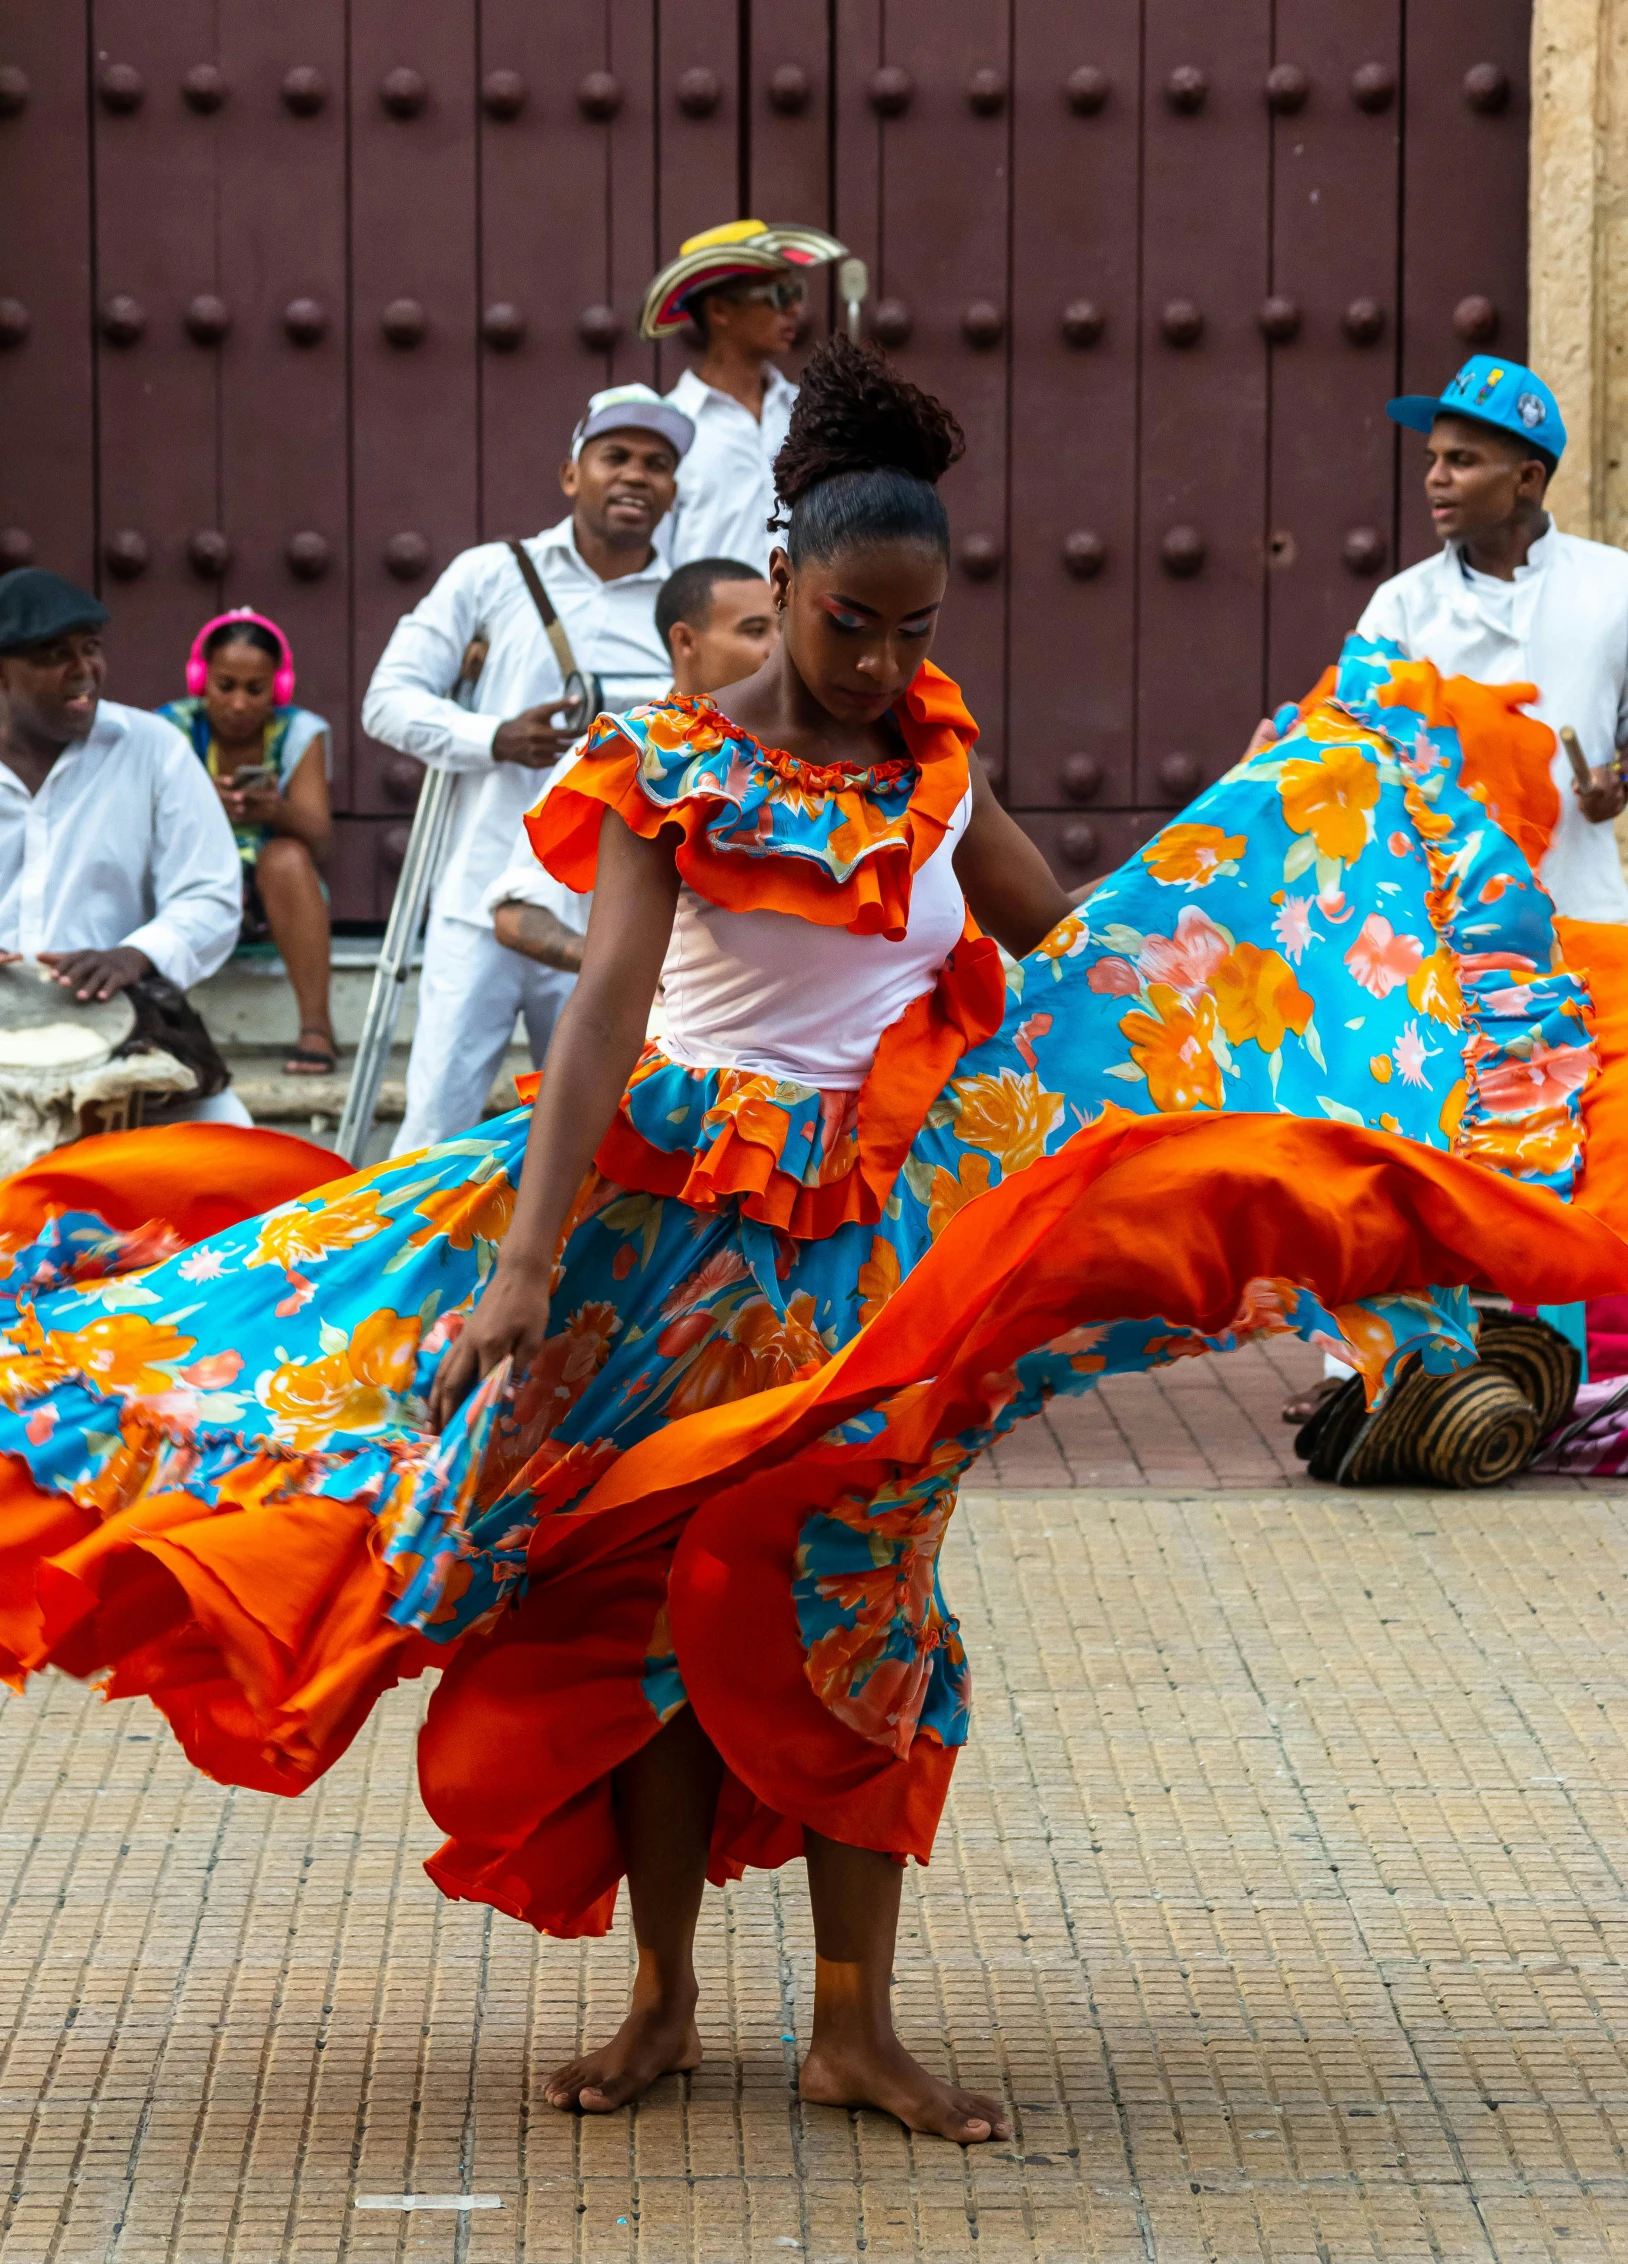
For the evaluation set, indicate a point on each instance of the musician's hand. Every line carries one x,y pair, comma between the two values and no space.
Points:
511,1317
11,958
1604,796
530,740
1266,734
97,974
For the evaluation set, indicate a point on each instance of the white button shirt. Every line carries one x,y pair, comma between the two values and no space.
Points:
524,880
612,631
1562,624
126,843
726,482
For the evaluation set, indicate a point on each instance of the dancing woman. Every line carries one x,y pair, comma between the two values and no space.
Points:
756,984
652,1446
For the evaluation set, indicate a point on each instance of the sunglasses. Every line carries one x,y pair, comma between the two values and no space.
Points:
785,293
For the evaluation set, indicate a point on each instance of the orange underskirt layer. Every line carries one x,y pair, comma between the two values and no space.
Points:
258,1628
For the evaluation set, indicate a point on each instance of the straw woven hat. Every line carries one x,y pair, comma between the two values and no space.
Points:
721,255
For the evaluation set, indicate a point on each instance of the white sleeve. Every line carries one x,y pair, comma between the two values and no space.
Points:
197,873
1385,615
407,704
524,881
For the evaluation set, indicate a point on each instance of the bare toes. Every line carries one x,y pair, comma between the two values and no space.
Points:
979,2108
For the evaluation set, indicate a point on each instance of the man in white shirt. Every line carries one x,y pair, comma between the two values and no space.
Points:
601,573
116,858
717,618
1511,599
741,287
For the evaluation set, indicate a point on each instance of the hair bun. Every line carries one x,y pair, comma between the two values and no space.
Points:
855,413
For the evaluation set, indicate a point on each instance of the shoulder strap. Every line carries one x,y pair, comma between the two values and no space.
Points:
552,628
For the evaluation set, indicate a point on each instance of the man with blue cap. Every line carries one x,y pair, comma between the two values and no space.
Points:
474,681
1511,599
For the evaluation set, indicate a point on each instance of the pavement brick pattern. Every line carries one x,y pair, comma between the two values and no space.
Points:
1282,1893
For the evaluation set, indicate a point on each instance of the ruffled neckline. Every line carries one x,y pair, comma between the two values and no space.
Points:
762,830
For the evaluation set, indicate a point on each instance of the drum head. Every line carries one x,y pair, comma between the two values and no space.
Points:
46,1033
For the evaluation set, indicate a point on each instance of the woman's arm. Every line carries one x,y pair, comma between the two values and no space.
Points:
301,808
596,1043
1009,887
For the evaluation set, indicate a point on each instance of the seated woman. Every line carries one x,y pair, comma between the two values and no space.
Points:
269,760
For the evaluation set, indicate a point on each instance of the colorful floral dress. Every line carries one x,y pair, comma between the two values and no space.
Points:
1254,1086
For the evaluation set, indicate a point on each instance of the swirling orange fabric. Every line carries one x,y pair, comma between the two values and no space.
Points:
1064,1243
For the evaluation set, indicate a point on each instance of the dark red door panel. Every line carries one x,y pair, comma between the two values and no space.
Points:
47,440
1464,207
1330,325
785,124
636,245
1081,845
698,133
1203,430
415,433
160,295
1076,351
553,134
285,438
938,83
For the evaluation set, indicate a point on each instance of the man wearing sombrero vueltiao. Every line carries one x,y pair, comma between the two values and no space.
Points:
741,287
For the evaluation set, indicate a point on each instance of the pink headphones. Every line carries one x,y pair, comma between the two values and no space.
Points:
282,684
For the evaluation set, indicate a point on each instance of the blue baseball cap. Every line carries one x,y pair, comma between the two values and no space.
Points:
1505,394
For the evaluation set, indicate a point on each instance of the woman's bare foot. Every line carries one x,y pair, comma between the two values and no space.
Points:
882,2074
655,2039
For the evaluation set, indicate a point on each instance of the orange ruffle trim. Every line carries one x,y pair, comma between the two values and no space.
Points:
875,898
915,1059
1506,754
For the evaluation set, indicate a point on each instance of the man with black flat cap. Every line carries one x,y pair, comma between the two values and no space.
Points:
116,860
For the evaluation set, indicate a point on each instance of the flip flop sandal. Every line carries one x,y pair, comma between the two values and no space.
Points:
1306,1404
312,1061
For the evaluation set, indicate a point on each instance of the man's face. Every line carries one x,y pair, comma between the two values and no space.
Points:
51,690
621,486
752,322
1477,482
737,637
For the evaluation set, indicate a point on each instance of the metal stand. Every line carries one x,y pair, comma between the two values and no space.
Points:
418,869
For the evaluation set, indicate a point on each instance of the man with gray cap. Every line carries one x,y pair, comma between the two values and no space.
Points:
116,860
599,572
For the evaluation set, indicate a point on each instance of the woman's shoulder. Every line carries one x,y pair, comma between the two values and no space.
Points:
300,727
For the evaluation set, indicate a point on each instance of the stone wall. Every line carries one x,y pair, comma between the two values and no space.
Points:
1579,251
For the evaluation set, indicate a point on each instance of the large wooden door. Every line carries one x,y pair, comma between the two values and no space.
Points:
297,302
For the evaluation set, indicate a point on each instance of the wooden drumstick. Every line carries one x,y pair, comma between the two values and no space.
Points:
1578,760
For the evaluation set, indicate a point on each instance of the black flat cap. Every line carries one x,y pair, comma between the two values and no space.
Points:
36,606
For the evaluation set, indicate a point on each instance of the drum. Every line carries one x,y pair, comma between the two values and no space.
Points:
61,1070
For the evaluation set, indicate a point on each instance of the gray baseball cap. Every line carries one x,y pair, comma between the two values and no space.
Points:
620,406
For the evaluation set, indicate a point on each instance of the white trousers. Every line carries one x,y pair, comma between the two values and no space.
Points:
469,993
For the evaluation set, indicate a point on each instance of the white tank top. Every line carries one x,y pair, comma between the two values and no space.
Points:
770,992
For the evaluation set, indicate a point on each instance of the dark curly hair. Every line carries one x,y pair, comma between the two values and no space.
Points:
862,457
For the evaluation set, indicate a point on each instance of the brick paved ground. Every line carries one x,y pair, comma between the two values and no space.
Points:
1282,1893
